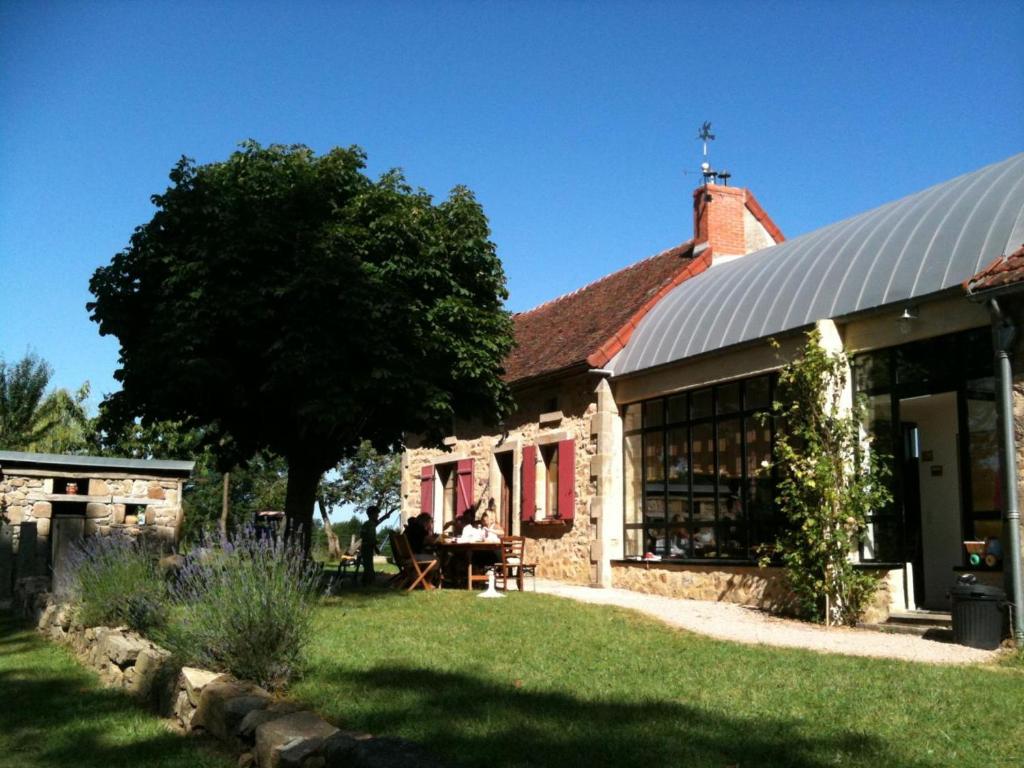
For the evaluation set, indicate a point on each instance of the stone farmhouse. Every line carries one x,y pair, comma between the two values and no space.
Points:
635,457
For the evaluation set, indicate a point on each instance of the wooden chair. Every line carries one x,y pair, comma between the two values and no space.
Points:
350,559
477,572
512,563
414,568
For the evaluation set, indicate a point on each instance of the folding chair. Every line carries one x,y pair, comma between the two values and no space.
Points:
415,568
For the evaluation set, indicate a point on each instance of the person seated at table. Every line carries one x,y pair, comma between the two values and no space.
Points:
472,533
492,531
481,532
456,526
420,533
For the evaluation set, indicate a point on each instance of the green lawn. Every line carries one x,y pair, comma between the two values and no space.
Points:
537,681
54,713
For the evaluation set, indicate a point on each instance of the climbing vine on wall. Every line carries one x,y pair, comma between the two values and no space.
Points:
830,480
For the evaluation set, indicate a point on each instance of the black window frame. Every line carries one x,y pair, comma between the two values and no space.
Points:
973,349
754,531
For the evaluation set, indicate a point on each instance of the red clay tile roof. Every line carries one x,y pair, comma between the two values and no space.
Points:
1006,270
590,325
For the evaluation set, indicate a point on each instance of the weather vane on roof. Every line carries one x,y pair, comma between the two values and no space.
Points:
705,135
710,175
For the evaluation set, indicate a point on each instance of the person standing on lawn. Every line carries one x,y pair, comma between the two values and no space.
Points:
368,548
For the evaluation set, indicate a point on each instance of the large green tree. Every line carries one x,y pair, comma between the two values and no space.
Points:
287,302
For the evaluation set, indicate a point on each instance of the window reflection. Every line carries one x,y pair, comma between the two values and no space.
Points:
708,487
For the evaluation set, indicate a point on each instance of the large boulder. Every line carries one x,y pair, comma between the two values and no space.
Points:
349,750
287,742
194,680
246,730
224,704
122,649
152,665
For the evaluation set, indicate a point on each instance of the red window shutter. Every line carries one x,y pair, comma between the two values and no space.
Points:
529,496
427,489
464,487
566,479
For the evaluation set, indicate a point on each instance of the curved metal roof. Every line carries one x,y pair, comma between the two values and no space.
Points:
912,247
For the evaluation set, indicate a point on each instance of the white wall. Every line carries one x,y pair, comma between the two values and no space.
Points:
935,416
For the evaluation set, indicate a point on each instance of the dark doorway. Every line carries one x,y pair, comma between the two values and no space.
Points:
506,492
932,494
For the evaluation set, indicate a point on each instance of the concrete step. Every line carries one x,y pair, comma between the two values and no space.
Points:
941,634
922,618
932,625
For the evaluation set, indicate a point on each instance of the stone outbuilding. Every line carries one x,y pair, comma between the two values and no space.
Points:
49,501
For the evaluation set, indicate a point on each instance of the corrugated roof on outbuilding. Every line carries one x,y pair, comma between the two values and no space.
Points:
919,245
70,463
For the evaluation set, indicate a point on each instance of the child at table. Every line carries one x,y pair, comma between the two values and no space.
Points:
492,531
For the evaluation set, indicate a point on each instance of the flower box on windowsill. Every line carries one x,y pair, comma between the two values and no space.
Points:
548,521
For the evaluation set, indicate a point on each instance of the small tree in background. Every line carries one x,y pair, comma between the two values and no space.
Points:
368,478
829,482
31,419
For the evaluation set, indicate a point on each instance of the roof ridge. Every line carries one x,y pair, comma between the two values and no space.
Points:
601,279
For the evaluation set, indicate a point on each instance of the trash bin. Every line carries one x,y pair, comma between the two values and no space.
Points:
977,613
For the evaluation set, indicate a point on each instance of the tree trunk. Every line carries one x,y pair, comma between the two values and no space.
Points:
333,548
225,507
300,498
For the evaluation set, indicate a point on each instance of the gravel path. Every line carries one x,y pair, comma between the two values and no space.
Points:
728,621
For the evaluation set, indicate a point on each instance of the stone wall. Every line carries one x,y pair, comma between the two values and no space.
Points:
561,551
763,588
108,503
746,585
1015,306
266,731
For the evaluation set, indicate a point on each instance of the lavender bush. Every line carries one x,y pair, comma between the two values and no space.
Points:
244,606
114,580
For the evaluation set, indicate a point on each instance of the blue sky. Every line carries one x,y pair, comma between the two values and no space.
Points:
574,123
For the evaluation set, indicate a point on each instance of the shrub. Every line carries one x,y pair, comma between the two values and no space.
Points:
244,606
115,581
829,482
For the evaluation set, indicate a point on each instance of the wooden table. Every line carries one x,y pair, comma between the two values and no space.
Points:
449,550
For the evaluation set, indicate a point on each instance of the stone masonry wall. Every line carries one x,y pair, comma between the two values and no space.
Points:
107,502
763,588
264,730
561,551
1016,309
746,585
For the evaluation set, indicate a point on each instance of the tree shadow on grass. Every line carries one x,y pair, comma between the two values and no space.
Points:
54,713
472,722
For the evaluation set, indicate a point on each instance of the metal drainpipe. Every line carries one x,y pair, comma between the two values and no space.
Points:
1003,334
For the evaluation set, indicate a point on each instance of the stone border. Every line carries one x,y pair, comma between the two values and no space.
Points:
263,730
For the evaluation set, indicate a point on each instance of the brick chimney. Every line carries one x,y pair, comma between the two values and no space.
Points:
731,222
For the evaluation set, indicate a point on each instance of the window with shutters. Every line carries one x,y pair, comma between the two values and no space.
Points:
446,490
548,483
